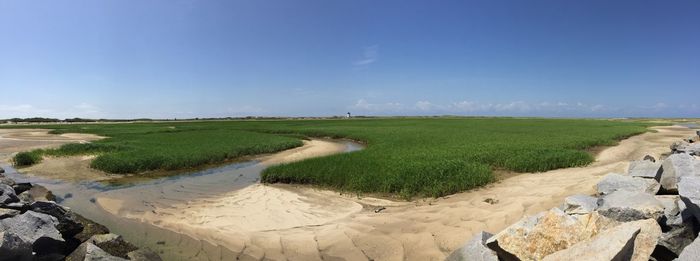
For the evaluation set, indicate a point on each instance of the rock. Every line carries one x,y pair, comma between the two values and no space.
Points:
7,195
689,191
8,213
675,167
627,206
646,240
25,198
645,169
90,252
676,239
579,204
475,249
2,170
143,254
40,193
535,237
7,181
37,228
649,158
113,244
90,228
613,244
613,182
68,224
12,247
673,207
691,252
21,187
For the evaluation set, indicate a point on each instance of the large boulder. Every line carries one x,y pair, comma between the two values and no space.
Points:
691,252
614,182
474,250
627,206
579,204
534,237
90,252
113,244
689,191
646,240
676,239
645,169
7,195
675,167
38,228
68,225
14,248
613,244
673,209
90,228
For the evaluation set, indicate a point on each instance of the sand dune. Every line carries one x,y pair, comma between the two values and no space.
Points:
300,223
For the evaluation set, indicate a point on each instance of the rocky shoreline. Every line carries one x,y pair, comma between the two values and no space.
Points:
34,227
650,213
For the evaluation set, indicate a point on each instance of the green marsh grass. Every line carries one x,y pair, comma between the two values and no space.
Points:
404,156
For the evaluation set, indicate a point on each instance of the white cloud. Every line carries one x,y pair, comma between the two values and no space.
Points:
363,105
86,108
480,108
369,56
22,111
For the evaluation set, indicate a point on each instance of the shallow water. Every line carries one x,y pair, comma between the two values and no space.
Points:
80,197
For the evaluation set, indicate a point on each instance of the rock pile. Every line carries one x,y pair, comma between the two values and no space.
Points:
650,213
34,227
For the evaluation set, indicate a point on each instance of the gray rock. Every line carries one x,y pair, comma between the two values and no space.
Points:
38,228
579,204
143,254
646,240
113,244
7,181
613,182
691,252
2,170
21,187
645,169
68,224
474,250
677,238
12,247
7,195
627,206
675,167
534,237
689,191
40,193
90,252
8,213
673,207
613,244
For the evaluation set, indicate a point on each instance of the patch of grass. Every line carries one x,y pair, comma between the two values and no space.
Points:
26,158
404,156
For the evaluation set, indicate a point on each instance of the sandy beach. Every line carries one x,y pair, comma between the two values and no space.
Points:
278,222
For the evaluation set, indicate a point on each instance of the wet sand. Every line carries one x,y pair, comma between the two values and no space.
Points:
300,223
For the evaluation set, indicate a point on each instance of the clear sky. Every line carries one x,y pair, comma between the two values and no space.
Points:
182,59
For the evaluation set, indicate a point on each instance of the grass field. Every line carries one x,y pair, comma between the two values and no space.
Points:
406,157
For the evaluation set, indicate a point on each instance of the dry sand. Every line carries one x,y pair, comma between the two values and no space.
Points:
17,140
301,223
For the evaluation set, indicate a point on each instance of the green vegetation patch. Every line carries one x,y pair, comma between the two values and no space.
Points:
404,156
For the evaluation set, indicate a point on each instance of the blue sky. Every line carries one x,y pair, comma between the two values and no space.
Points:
182,59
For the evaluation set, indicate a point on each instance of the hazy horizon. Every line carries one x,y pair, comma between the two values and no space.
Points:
200,59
